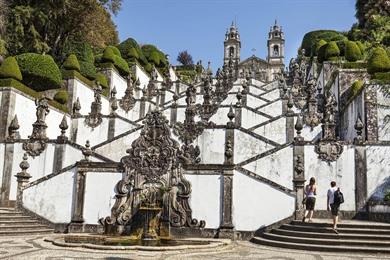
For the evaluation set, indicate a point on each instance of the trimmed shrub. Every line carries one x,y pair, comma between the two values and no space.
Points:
356,87
352,51
154,58
361,46
148,67
342,45
40,72
331,51
382,76
82,50
133,54
108,55
101,78
321,53
10,69
317,46
378,61
61,97
72,63
88,70
115,50
121,65
3,49
125,46
313,37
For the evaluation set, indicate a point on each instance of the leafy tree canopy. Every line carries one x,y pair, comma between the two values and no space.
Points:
185,58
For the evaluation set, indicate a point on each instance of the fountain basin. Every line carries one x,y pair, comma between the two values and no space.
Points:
103,242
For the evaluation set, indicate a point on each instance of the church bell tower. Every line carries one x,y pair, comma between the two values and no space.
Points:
275,45
232,45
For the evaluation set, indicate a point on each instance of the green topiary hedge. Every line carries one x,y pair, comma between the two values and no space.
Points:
356,87
40,72
313,37
3,49
108,55
115,50
61,97
10,69
125,46
101,78
382,76
352,51
88,70
72,63
121,65
317,47
378,61
331,50
361,46
321,53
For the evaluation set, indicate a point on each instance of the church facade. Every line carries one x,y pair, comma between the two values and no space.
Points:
260,69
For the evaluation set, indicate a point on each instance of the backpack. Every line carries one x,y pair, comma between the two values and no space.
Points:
338,197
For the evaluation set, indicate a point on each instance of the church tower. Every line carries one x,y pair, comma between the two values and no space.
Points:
232,45
275,45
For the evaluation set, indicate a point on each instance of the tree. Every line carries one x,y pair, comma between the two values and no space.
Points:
113,5
365,9
47,26
185,58
3,13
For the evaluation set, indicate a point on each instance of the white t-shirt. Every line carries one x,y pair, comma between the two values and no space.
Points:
331,194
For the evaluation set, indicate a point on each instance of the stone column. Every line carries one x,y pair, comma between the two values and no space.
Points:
22,179
78,203
371,112
6,112
226,228
142,107
111,127
360,167
290,120
7,175
299,169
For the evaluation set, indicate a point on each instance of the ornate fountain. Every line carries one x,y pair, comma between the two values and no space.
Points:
153,194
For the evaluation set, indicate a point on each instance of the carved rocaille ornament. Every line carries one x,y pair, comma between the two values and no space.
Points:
94,118
329,148
37,140
153,176
128,101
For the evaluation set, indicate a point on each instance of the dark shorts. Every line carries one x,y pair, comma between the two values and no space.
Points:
310,203
335,209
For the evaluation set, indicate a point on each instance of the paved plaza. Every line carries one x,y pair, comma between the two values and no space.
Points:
33,247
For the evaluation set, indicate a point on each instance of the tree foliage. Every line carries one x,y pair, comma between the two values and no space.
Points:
3,13
48,26
185,58
365,9
312,38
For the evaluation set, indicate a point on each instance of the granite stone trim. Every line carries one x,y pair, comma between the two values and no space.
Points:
6,112
260,137
111,128
269,103
275,225
360,178
290,128
116,137
7,175
78,198
59,155
49,176
266,153
266,181
266,122
258,112
371,113
299,179
227,200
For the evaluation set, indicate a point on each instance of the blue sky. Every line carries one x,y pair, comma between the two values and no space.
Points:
199,25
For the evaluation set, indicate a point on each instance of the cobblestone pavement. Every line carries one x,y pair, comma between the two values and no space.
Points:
33,247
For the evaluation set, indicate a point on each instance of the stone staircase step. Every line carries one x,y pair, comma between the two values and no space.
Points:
324,247
19,221
10,217
22,227
286,232
26,232
11,213
314,229
354,224
325,241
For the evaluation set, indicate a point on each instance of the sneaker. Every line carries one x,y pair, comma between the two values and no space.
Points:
335,230
310,221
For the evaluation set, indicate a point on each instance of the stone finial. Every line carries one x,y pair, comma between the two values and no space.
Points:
13,132
175,98
299,127
63,126
137,83
290,103
76,107
144,93
87,152
231,116
239,97
114,101
23,175
359,129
